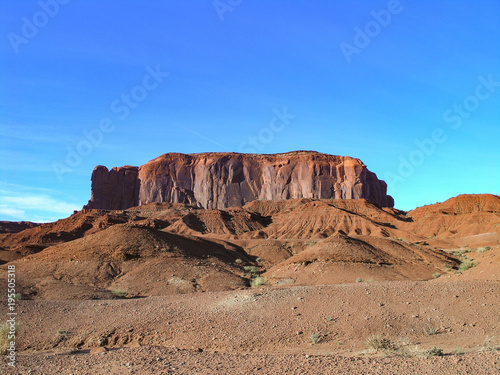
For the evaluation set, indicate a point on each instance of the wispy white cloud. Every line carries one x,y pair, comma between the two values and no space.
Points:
18,202
11,212
36,133
7,188
41,202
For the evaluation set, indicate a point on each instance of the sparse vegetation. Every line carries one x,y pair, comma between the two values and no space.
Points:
258,281
466,262
433,352
120,292
62,332
316,338
461,252
252,269
359,280
381,343
436,275
465,265
330,318
484,249
430,330
403,341
238,261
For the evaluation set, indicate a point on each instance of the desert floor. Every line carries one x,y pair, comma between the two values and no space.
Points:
268,331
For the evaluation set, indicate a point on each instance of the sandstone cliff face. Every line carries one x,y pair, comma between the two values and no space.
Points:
114,189
220,180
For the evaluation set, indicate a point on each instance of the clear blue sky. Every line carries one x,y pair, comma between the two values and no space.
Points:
412,88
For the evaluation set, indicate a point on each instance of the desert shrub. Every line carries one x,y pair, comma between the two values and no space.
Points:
258,282
238,261
430,330
381,343
484,249
62,332
465,265
120,292
433,352
461,252
252,269
436,275
359,280
315,338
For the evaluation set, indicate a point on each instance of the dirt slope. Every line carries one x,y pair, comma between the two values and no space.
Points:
463,220
298,241
139,259
343,259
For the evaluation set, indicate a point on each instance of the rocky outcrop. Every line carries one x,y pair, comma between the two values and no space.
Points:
219,180
114,189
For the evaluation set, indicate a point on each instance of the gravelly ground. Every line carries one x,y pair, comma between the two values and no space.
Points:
267,331
159,360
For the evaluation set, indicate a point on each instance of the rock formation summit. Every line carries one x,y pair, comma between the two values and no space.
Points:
220,180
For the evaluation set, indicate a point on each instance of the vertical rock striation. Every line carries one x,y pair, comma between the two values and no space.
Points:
114,189
219,180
